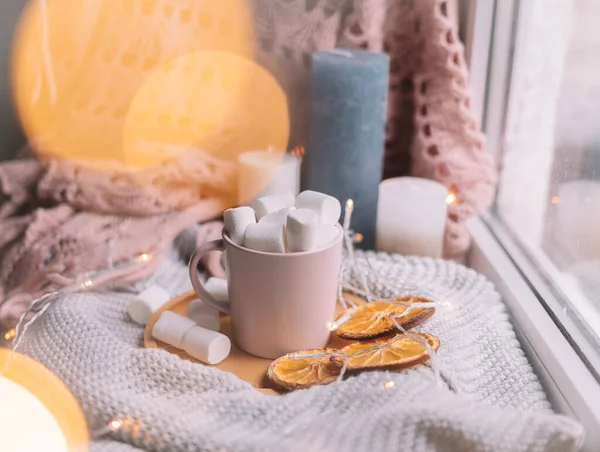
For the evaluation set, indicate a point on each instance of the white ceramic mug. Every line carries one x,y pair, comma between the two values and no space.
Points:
279,303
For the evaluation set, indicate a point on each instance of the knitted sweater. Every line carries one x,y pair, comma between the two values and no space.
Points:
490,400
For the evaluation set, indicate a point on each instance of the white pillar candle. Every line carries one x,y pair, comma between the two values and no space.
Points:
576,234
411,216
263,173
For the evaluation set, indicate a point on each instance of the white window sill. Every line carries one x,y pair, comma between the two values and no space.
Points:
570,385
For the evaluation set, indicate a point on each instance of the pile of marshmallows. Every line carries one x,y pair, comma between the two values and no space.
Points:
277,224
280,224
197,334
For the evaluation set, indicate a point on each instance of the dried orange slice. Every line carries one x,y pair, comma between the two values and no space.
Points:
399,352
373,320
293,371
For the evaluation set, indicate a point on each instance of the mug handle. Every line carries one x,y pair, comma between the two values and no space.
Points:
215,245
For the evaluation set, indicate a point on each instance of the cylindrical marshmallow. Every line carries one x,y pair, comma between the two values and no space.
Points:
302,230
272,203
236,220
172,328
147,303
326,207
327,234
207,346
217,287
204,315
265,237
278,217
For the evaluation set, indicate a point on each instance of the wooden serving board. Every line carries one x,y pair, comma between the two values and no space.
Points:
247,367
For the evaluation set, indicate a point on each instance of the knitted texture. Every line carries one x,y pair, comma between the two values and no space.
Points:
490,401
47,244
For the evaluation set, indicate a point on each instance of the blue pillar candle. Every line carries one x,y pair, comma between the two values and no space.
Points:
347,131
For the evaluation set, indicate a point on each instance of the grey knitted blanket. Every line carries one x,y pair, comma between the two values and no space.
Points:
490,400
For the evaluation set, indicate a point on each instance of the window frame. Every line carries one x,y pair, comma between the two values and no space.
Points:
571,387
562,357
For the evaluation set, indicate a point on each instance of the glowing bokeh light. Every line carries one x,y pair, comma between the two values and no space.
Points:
77,65
37,411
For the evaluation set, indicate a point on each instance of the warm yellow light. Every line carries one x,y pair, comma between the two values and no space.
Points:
214,102
10,334
88,283
116,424
144,257
27,424
555,200
451,198
37,411
389,384
350,204
358,237
73,87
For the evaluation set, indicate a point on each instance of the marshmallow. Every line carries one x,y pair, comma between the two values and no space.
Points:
172,328
236,220
302,230
217,287
326,207
278,217
265,237
204,315
147,303
272,203
207,346
327,234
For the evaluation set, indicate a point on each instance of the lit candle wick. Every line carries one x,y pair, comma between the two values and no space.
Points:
348,215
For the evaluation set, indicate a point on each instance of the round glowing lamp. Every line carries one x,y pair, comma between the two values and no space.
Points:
37,411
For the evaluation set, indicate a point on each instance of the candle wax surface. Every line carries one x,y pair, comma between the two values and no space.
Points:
344,158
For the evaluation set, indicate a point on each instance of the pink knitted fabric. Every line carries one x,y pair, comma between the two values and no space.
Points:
46,245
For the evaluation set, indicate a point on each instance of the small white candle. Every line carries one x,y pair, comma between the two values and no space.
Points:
411,216
577,221
265,173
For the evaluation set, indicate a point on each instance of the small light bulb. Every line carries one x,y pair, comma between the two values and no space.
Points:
144,257
357,237
350,204
555,200
116,424
88,283
331,326
451,198
389,384
10,334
